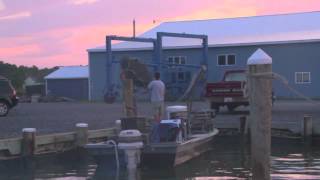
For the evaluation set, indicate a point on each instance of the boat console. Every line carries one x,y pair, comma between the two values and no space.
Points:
172,128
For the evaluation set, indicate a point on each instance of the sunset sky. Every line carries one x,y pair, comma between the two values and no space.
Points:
49,33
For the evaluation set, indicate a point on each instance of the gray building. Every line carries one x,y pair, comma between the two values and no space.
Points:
69,81
292,40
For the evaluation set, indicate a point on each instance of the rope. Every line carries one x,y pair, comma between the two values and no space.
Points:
195,78
284,81
112,142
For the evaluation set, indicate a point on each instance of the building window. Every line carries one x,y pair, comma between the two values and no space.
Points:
221,60
178,60
182,60
170,60
302,77
226,60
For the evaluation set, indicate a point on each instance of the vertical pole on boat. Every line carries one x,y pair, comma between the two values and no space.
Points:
81,134
260,88
28,143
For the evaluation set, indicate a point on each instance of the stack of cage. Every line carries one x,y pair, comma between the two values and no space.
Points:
201,121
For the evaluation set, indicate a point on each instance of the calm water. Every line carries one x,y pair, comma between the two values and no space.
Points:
229,159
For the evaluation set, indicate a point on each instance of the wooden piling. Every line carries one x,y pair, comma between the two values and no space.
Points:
128,96
307,128
81,134
28,141
242,125
260,88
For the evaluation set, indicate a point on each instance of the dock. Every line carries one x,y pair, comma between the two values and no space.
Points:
57,131
52,143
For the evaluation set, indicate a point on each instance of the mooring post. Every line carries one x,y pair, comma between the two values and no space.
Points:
242,125
307,128
128,97
260,88
81,134
28,143
117,126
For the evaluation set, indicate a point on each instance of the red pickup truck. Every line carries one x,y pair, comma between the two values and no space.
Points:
231,91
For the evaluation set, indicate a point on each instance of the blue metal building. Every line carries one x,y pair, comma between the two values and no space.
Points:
292,40
69,81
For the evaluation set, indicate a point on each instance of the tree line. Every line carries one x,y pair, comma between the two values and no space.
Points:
17,74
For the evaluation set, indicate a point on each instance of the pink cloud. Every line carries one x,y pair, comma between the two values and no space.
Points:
64,46
15,16
51,33
82,2
19,50
2,7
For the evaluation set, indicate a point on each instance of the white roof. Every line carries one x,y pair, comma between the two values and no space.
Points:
234,31
69,72
259,57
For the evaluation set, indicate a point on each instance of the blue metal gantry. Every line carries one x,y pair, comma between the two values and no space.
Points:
157,51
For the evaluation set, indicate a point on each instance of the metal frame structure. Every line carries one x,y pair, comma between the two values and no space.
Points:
204,38
157,51
109,61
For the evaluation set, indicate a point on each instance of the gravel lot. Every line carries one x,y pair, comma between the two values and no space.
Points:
62,117
58,117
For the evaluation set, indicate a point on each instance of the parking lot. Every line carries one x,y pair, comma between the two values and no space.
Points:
58,117
62,117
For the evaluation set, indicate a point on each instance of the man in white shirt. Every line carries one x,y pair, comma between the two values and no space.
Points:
157,89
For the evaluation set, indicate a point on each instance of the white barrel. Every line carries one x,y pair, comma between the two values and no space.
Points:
176,109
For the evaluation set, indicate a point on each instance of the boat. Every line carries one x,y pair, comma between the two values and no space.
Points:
169,143
175,153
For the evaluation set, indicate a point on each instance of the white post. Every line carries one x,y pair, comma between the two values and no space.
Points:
118,126
81,134
260,88
28,143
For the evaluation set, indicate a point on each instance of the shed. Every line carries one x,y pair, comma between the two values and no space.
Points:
69,81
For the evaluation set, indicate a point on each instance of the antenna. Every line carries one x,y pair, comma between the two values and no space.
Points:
134,28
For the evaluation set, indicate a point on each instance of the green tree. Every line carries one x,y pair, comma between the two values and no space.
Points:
17,75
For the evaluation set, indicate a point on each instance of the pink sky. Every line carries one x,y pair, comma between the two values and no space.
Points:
49,33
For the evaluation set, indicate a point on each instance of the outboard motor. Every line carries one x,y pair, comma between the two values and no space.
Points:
131,142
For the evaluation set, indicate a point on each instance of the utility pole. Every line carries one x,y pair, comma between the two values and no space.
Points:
134,28
260,88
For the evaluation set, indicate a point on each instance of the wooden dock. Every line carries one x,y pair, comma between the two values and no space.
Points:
53,143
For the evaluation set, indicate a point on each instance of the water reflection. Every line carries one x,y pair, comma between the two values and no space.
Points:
229,159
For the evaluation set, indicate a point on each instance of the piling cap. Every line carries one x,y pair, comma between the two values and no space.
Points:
83,125
259,57
29,130
130,133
